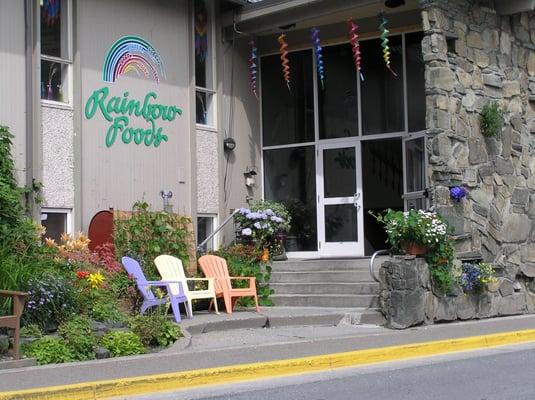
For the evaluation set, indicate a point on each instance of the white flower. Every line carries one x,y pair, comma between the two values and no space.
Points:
247,232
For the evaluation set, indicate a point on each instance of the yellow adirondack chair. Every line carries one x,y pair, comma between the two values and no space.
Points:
171,269
216,267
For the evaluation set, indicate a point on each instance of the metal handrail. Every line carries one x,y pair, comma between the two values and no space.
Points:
201,246
374,256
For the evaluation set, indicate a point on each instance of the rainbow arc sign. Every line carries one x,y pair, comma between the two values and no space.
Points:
131,55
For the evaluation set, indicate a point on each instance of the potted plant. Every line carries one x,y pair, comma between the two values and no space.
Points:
415,232
264,223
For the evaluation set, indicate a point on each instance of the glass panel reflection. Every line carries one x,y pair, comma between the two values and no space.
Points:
337,101
290,178
381,91
415,162
341,223
339,176
288,117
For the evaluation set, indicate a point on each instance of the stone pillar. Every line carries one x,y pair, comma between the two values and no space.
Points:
404,282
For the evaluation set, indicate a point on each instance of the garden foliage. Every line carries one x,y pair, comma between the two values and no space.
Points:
245,260
121,343
146,234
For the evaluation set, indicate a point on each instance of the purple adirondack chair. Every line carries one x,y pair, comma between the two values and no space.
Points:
149,300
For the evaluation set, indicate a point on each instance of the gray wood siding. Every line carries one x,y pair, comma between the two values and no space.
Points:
119,175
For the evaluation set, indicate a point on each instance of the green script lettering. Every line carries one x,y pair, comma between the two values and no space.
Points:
118,111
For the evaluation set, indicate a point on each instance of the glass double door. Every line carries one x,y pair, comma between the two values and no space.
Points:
339,197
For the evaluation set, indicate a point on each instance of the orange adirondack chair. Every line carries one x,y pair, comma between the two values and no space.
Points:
216,267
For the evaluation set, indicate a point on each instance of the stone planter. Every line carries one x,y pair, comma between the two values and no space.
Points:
407,298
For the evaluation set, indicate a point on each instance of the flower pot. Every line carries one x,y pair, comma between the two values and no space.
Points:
265,255
415,249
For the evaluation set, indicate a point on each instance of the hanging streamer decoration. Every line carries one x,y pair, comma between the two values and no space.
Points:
355,45
284,59
253,67
384,42
51,11
318,51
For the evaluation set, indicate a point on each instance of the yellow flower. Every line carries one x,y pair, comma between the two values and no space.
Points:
96,279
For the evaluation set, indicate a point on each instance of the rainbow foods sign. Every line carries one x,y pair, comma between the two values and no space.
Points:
131,55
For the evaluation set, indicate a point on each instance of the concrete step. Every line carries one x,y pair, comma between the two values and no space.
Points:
322,277
325,300
321,265
326,288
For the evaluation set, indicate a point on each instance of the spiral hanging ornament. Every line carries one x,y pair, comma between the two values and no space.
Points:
384,42
284,59
355,45
253,67
318,51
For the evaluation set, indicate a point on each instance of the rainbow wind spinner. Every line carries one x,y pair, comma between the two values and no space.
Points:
253,67
384,42
284,59
355,45
318,51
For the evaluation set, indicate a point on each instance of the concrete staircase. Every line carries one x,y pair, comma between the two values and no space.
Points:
324,283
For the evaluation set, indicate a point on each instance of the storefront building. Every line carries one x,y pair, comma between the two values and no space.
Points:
116,101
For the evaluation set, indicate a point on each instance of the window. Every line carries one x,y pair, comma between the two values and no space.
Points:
382,92
56,51
288,117
205,227
56,222
204,71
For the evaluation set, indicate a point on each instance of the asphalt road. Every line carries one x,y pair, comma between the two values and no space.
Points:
497,374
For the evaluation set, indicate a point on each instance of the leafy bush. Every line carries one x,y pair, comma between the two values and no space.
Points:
51,298
154,329
491,120
105,309
122,343
79,338
48,350
149,234
31,330
244,260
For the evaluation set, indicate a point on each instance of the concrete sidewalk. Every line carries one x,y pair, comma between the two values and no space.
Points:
252,345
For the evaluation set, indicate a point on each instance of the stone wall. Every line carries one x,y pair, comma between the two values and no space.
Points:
473,56
407,298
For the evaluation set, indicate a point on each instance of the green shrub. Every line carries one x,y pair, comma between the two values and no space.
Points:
146,235
122,343
154,329
244,260
31,330
491,120
79,337
49,350
51,300
107,310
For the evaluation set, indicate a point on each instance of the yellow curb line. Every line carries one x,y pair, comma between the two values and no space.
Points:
234,373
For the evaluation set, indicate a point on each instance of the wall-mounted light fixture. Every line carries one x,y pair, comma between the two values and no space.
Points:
250,174
229,144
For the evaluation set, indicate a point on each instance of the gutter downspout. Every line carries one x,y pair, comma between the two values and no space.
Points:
33,103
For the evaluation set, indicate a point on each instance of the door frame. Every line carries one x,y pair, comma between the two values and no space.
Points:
339,249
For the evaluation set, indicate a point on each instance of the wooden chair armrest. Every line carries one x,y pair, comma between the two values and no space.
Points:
252,279
12,293
211,282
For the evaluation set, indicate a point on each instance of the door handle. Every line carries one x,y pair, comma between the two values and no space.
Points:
356,198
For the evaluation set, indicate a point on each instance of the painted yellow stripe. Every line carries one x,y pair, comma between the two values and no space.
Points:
234,373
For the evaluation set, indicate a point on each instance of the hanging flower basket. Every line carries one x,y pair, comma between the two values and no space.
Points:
415,249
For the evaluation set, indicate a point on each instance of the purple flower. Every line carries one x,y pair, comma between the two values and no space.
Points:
257,225
457,193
